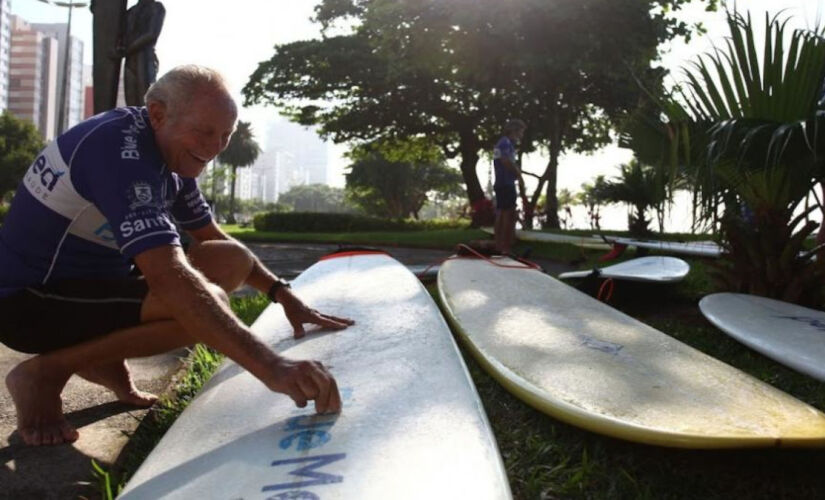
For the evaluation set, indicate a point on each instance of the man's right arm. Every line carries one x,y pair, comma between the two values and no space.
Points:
205,317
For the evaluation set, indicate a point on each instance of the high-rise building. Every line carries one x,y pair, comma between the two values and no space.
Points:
297,154
33,77
88,92
73,111
49,89
5,52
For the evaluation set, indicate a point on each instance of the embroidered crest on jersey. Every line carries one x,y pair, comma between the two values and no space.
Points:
140,195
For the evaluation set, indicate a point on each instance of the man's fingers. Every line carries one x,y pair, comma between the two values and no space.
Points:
297,327
328,321
328,399
313,382
338,319
297,395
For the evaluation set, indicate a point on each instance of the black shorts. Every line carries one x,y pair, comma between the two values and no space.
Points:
49,317
505,197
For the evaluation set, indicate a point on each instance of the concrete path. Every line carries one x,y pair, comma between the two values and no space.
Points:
64,472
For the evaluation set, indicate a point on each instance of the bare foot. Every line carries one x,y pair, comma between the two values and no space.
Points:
115,376
36,396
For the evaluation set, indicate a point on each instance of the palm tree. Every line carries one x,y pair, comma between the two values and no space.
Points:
765,153
591,197
641,187
242,151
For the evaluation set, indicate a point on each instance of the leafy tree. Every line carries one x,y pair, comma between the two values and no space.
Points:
397,186
316,198
454,72
242,151
20,143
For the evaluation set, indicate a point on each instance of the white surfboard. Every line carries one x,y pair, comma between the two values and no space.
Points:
412,424
593,242
655,269
790,334
586,363
580,241
693,248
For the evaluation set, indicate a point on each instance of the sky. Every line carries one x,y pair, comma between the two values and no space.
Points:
234,37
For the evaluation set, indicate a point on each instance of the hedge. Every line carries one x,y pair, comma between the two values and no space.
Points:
311,222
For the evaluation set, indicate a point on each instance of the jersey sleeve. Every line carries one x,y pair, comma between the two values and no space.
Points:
190,210
128,190
503,149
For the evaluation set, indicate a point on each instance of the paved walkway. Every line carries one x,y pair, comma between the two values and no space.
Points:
64,472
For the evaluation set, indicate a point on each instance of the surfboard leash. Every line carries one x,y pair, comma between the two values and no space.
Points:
606,290
523,263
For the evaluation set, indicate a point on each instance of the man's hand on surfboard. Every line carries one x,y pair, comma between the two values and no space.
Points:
308,380
298,313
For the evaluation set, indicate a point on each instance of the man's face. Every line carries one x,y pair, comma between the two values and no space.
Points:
518,134
196,133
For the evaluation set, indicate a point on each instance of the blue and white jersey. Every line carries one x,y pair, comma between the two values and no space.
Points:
504,149
94,198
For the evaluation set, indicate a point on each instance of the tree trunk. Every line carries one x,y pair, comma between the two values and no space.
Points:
231,217
551,206
481,208
469,160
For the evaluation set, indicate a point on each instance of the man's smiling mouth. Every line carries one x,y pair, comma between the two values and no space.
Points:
201,160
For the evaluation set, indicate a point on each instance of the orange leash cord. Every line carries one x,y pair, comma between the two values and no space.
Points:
607,286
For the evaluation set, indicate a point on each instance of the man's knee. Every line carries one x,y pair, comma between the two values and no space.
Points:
226,262
220,293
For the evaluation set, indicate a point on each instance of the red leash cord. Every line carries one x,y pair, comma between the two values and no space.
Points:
522,263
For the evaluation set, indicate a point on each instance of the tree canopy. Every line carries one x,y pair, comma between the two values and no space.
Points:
316,198
19,146
397,186
455,72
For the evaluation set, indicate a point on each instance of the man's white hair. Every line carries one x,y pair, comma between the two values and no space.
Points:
176,88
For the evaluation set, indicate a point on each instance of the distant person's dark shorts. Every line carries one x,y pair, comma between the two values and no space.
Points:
49,317
505,197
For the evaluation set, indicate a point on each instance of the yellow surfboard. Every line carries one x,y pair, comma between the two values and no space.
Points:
583,362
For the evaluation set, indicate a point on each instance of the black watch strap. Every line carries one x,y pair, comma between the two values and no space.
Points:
279,283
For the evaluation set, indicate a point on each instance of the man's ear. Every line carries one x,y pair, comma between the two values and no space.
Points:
158,114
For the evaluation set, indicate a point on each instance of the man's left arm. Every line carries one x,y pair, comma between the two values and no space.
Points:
263,279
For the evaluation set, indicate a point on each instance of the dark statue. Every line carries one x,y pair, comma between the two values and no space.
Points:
143,24
120,33
109,21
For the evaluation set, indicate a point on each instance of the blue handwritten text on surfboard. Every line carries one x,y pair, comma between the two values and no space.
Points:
308,471
814,322
305,432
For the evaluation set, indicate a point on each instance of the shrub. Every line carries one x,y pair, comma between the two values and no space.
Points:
312,222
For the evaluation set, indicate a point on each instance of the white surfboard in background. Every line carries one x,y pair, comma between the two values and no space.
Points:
790,334
656,269
692,248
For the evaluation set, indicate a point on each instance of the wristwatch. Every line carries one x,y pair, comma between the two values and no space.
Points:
279,283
